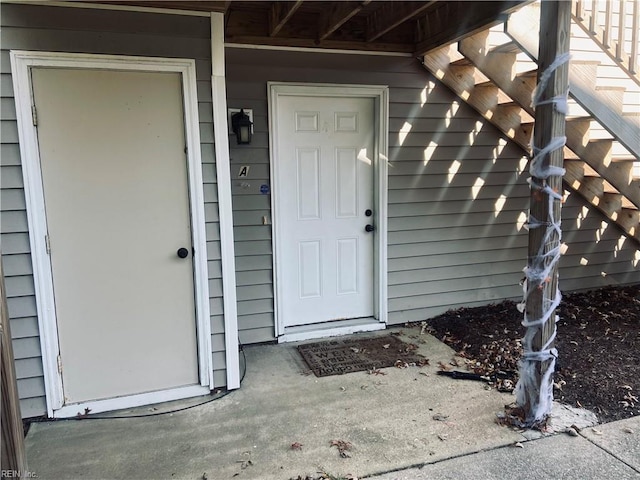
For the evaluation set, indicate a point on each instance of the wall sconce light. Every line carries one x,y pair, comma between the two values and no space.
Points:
242,127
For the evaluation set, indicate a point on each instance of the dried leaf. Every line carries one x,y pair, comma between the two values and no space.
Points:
342,447
571,432
443,366
442,436
518,444
296,446
440,417
386,345
596,431
85,414
401,364
627,430
246,462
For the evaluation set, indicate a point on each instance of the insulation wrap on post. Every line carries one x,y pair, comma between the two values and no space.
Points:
534,390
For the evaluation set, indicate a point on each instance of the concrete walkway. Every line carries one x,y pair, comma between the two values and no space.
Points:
281,424
611,453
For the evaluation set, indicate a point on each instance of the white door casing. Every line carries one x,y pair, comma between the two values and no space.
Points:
328,167
192,375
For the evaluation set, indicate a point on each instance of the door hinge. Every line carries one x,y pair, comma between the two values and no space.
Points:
47,244
59,360
34,115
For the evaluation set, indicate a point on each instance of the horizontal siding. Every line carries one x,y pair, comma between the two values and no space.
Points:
456,193
30,27
457,196
598,253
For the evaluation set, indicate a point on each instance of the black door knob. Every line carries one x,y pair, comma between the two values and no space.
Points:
183,252
368,212
369,228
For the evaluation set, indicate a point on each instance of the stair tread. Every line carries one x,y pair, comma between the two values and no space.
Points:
461,62
584,61
626,203
508,47
528,73
624,159
612,88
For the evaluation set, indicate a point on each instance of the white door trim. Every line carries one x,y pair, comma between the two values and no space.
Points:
21,63
380,95
223,175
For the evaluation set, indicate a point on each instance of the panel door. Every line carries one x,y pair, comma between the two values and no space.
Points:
114,172
325,188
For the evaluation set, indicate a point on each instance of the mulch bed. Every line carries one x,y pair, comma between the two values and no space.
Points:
337,357
598,342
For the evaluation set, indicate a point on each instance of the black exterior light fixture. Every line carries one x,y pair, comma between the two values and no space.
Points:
242,127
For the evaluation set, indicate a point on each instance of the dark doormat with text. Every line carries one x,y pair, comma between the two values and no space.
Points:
336,357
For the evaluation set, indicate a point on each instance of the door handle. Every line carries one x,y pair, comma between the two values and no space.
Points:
369,228
183,252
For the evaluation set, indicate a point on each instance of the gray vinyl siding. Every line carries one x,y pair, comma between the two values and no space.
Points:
29,27
446,249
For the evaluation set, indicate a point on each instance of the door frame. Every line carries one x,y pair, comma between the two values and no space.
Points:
380,96
21,64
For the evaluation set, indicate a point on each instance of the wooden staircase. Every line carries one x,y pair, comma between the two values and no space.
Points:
495,71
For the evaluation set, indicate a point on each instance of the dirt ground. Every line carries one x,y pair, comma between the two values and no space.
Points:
598,341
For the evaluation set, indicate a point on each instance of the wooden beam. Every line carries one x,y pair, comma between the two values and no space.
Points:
186,5
536,374
339,14
455,20
392,14
406,48
280,14
12,457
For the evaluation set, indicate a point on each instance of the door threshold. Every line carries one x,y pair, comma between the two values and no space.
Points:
129,401
330,329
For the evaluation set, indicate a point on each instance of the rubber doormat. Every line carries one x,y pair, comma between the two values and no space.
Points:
336,357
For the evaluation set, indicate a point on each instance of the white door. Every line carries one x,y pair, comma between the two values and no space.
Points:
324,197
114,170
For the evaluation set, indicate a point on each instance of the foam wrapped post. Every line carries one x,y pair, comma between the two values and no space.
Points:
534,391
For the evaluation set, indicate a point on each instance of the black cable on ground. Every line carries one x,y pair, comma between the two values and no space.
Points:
218,396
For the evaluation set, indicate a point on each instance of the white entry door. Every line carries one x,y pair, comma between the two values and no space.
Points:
324,202
114,174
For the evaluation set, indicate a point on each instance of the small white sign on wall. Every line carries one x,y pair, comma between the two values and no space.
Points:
244,171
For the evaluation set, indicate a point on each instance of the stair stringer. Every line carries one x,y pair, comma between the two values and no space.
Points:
460,78
496,66
520,26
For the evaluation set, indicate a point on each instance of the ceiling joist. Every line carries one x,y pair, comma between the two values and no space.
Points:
280,14
402,26
339,14
391,15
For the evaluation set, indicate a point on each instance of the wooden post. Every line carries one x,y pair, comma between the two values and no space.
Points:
13,457
555,23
